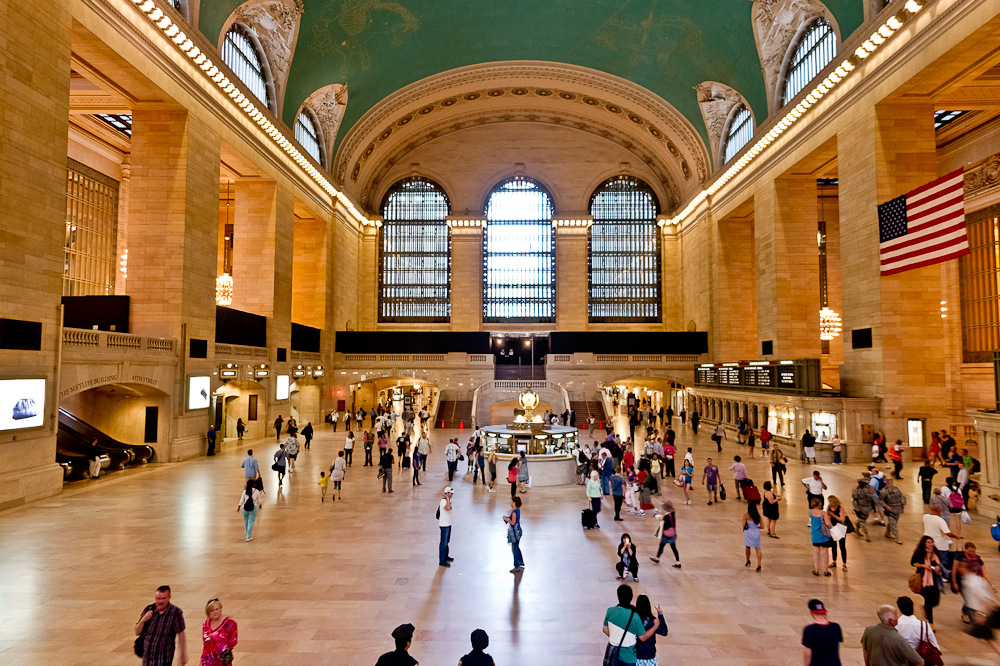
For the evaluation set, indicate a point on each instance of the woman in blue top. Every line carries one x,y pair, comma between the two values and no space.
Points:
821,541
514,533
645,650
687,471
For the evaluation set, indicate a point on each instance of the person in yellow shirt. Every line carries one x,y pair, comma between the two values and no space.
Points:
324,483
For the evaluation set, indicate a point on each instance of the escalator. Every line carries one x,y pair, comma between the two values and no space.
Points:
73,441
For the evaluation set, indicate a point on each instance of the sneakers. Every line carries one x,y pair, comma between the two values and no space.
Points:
491,490
655,559
678,566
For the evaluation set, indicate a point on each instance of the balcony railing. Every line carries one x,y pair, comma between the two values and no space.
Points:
79,338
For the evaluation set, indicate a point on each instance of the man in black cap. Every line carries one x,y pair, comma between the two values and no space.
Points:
403,635
821,640
480,641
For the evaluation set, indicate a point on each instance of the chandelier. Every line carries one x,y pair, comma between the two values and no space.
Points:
224,290
829,324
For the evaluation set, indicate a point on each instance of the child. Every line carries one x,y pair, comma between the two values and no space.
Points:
324,482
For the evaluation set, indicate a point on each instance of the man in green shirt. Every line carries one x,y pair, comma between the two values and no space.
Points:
884,646
623,627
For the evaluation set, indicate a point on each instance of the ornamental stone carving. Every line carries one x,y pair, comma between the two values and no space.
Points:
982,176
717,101
776,23
329,104
276,24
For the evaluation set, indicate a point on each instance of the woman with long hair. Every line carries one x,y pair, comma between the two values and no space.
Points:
771,510
512,476
837,515
927,563
751,533
627,561
819,533
668,533
645,650
250,498
514,533
522,473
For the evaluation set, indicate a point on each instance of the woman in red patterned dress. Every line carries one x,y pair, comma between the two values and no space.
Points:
219,636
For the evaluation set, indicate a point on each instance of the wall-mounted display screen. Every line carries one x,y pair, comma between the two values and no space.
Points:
22,403
199,392
801,376
282,391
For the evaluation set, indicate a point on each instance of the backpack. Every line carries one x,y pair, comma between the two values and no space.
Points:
248,505
956,500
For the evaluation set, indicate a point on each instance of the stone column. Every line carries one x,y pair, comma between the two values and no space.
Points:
311,284
121,248
572,294
788,267
734,301
368,280
466,276
672,287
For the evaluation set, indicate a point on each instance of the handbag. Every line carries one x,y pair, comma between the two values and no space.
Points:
611,652
139,647
722,491
926,649
275,467
966,518
226,657
916,582
849,525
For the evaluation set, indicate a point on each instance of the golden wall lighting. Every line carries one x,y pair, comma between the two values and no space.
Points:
829,324
224,290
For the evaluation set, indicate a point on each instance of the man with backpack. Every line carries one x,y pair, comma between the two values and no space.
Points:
385,463
863,501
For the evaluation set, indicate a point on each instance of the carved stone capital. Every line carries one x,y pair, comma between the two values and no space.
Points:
276,24
717,102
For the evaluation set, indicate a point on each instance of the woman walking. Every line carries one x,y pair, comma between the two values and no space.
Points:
627,560
514,533
219,636
837,515
250,503
687,472
819,533
771,510
491,462
751,442
934,451
751,533
645,650
240,428
415,457
338,469
927,563
280,463
512,476
349,448
668,534
522,473
593,493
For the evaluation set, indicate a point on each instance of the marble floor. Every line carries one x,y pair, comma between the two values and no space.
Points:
325,583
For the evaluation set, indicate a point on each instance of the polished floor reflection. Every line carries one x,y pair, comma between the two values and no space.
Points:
325,583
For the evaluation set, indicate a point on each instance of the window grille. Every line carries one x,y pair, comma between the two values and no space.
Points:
624,253
240,54
979,277
814,51
942,118
307,134
120,121
415,254
90,252
519,279
740,132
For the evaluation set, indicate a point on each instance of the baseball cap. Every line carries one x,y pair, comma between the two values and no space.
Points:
449,489
816,606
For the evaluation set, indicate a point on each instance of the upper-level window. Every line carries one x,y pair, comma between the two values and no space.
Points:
89,254
519,277
240,54
942,118
740,131
120,121
624,277
814,51
307,134
415,254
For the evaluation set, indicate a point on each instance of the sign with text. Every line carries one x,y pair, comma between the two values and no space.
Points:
796,377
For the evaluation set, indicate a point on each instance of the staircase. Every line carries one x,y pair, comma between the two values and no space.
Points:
584,408
514,372
454,413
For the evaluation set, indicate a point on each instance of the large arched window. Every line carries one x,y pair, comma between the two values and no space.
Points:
519,277
308,136
415,254
242,56
814,51
624,256
739,133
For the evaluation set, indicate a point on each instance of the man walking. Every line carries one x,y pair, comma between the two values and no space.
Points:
618,492
926,475
280,463
451,453
210,436
444,523
385,463
884,646
670,416
710,477
864,502
814,487
292,449
895,454
739,471
821,640
424,446
893,501
307,433
250,466
277,427
718,436
160,624
333,419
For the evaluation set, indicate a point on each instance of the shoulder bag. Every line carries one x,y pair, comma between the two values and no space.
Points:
926,649
611,652
916,582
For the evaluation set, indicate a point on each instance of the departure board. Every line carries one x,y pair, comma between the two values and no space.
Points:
798,377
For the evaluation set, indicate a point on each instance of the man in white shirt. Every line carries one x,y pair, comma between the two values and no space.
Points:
334,417
937,528
814,487
444,523
910,628
451,453
424,446
689,457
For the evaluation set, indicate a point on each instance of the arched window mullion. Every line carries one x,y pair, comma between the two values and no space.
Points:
519,254
739,133
307,133
415,254
244,59
814,51
624,276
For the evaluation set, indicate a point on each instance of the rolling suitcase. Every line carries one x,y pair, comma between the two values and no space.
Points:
589,519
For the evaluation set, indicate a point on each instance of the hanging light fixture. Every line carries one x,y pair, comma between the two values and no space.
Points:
829,324
224,283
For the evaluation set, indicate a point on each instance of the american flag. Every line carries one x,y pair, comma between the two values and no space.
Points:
923,227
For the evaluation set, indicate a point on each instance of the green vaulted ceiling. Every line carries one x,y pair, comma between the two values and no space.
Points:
666,46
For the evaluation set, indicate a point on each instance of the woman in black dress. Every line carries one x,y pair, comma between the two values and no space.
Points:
770,507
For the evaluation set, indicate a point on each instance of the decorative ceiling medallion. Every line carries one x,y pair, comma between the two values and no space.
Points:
496,92
613,108
569,97
385,134
591,101
449,102
404,120
543,92
472,97
519,91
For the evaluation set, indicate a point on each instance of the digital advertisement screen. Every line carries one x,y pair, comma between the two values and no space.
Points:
22,403
282,392
199,392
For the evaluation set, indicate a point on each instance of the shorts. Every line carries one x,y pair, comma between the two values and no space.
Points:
293,456
825,544
712,487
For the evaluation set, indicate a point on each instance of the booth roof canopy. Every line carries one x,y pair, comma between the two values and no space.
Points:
666,46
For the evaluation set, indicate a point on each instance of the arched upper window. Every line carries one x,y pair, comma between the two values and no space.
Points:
308,135
415,253
740,131
519,277
624,278
814,51
242,56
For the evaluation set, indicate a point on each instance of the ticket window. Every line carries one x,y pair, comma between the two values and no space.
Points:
824,426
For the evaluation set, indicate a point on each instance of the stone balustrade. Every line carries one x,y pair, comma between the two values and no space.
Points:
85,339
